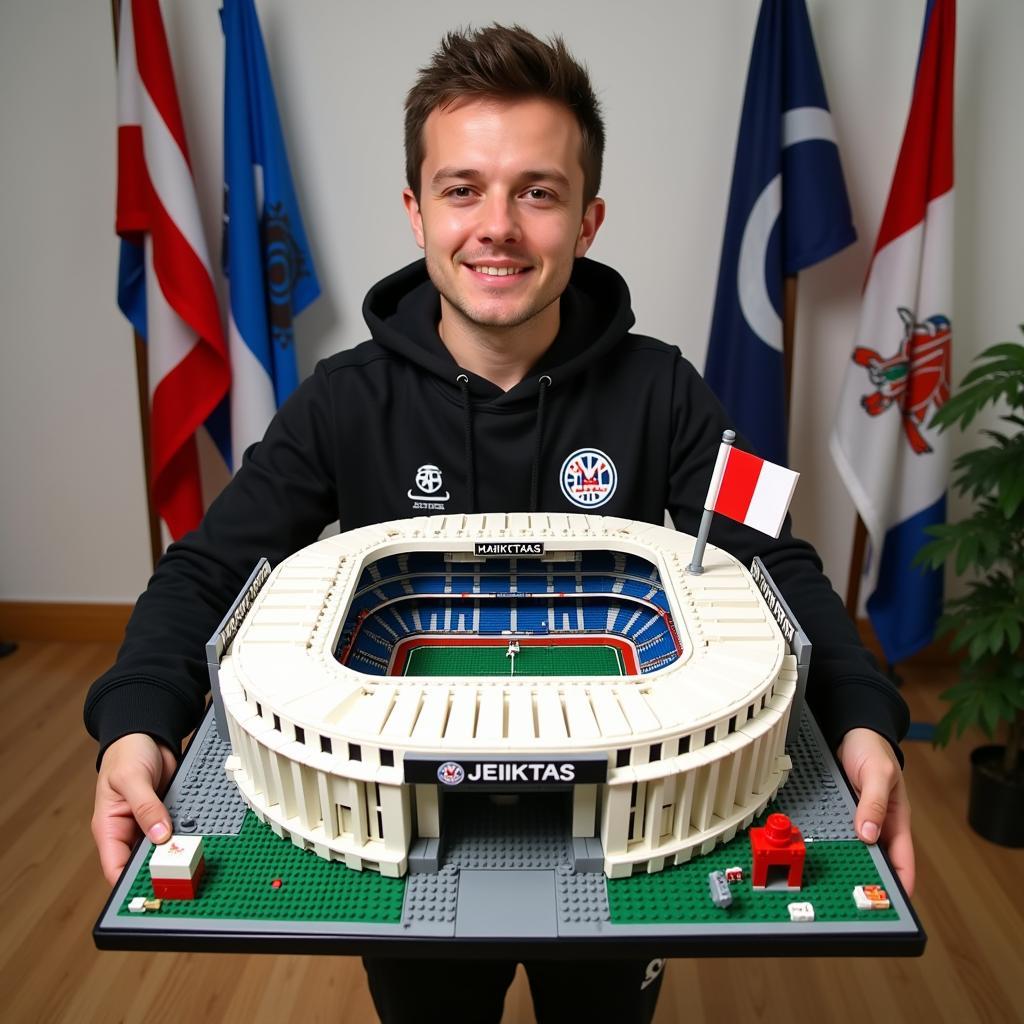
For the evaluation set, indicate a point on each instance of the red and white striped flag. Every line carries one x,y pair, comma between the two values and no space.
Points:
750,490
189,371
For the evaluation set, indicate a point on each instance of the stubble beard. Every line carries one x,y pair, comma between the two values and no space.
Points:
511,319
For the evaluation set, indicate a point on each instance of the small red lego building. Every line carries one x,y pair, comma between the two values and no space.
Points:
177,868
778,844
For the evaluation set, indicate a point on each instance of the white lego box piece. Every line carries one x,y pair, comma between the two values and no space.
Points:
870,897
138,905
179,857
801,912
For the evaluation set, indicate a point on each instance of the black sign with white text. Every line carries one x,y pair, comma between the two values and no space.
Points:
506,771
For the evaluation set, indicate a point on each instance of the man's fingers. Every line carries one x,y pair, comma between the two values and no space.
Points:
114,840
145,805
897,837
876,786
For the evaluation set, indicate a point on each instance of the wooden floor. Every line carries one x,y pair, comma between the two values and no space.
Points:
970,899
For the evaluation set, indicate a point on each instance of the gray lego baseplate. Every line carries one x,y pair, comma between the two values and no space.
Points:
507,870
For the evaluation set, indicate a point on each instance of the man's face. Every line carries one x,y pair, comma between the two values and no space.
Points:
500,216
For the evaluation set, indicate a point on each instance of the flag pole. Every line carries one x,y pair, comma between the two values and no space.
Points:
860,536
696,566
141,377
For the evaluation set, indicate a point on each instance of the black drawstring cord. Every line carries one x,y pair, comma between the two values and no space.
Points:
467,408
538,440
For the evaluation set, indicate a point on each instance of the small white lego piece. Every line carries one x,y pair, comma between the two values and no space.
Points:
871,897
179,857
801,912
138,905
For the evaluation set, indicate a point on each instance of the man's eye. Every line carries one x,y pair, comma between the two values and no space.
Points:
539,193
461,192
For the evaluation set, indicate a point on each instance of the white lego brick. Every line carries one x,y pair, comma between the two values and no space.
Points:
634,704
608,712
520,715
801,912
137,905
550,717
580,714
462,716
403,714
878,901
490,721
179,857
433,714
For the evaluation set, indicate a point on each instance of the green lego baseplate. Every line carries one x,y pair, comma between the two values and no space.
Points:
241,871
832,868
239,883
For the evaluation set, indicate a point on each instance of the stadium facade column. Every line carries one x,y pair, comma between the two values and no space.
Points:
396,814
584,810
428,815
615,818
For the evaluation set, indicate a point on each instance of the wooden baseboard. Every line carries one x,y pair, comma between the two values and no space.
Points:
50,620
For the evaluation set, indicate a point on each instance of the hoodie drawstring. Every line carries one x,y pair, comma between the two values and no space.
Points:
467,421
538,440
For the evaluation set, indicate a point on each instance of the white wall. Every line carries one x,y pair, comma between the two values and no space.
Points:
670,75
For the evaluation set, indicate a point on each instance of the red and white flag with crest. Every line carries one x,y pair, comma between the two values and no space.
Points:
894,465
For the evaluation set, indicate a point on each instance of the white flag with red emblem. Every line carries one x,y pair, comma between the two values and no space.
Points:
895,466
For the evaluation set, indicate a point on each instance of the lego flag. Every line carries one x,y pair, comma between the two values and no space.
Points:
894,465
265,256
165,285
787,210
750,490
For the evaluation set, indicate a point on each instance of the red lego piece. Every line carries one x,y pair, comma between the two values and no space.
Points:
778,843
180,888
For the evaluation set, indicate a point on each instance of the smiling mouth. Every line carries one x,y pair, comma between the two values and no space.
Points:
497,271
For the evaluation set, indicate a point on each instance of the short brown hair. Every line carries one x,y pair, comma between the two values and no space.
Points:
504,63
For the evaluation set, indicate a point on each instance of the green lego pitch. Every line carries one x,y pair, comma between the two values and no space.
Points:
680,894
241,869
547,660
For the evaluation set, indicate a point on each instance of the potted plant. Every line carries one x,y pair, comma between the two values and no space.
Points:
987,622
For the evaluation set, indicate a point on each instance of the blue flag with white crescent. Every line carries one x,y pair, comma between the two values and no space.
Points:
266,256
788,209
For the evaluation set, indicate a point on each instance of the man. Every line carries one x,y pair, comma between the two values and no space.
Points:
492,362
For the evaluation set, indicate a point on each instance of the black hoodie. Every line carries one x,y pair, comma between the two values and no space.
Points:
394,428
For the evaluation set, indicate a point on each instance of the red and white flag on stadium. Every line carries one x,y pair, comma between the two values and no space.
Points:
750,490
189,371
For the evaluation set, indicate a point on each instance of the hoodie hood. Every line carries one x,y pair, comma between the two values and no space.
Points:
403,312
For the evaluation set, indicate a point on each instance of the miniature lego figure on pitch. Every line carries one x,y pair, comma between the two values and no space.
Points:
513,650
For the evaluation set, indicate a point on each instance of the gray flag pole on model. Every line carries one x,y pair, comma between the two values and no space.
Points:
696,567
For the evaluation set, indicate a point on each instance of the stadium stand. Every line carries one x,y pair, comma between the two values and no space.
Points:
419,593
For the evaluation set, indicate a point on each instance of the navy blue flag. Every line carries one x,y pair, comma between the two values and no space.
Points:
266,256
787,210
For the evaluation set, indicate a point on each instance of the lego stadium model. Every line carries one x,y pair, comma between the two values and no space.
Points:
375,677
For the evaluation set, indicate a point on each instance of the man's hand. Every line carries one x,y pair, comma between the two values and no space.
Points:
133,770
883,809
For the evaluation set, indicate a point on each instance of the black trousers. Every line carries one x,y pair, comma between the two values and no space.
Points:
473,991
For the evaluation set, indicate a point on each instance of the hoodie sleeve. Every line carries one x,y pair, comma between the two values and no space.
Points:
281,498
845,688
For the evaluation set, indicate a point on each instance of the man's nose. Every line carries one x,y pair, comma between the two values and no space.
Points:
498,223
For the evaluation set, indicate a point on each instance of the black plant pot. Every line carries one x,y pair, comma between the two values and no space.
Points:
996,806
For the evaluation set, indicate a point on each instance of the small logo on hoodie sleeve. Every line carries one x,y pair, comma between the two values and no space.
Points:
429,484
588,477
